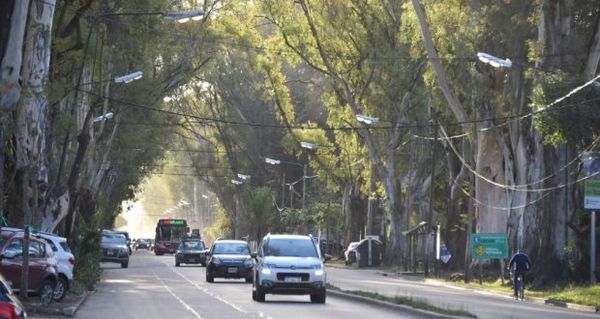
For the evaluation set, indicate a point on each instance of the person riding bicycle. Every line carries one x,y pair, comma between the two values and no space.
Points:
519,263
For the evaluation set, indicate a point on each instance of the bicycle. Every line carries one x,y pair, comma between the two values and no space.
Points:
518,285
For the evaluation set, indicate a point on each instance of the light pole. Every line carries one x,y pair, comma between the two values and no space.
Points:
273,161
311,147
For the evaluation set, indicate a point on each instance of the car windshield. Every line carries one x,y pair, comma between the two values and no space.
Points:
290,248
231,249
195,245
113,239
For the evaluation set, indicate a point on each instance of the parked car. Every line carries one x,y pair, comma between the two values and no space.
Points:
42,264
229,259
114,248
142,243
289,264
65,263
350,253
10,306
190,251
128,239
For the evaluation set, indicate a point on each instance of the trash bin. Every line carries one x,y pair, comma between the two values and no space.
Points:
369,253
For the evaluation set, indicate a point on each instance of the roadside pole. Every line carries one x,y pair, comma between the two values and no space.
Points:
593,248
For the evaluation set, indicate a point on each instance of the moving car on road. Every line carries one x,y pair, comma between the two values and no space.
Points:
143,243
229,259
289,264
190,251
114,248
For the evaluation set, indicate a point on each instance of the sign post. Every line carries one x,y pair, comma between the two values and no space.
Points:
591,200
489,246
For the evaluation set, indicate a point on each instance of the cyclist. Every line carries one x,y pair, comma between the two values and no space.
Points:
519,264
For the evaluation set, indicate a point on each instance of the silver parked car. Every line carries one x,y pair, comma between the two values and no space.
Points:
114,248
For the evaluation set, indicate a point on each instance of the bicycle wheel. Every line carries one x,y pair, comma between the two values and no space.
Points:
521,287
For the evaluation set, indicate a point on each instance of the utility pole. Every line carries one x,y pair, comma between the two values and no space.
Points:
304,187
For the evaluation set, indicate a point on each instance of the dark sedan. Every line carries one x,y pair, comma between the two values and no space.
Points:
190,251
229,259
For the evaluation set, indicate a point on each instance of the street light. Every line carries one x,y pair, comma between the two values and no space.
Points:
104,117
494,61
236,182
308,145
184,16
243,177
272,161
367,119
129,77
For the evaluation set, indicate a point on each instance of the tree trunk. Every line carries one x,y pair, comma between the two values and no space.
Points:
10,66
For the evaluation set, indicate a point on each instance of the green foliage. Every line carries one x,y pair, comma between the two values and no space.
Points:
221,227
86,248
572,120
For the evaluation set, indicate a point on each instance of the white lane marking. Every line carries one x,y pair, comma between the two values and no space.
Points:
206,291
190,309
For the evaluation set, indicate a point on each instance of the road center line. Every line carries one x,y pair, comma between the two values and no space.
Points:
190,309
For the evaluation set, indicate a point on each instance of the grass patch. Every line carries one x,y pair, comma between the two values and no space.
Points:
588,295
406,302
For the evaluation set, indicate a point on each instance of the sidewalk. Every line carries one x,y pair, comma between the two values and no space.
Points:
395,288
66,307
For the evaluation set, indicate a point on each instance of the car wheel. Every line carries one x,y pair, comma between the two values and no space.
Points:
60,290
260,294
46,292
318,297
176,264
209,278
125,264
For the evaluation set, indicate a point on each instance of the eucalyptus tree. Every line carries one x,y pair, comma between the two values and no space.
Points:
520,185
357,47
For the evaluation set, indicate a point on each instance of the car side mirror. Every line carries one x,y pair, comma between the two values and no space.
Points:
327,257
254,255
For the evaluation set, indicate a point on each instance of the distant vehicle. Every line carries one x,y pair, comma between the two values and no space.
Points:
289,264
190,251
114,249
350,253
229,259
42,264
169,232
10,306
65,263
142,243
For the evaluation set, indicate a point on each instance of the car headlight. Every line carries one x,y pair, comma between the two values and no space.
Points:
216,261
319,271
248,262
123,250
266,269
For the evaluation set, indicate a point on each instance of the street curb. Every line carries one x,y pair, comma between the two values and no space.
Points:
573,306
391,306
55,309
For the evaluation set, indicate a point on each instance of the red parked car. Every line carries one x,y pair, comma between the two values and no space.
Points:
10,306
42,264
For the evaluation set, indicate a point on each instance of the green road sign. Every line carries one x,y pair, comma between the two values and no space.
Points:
489,246
591,199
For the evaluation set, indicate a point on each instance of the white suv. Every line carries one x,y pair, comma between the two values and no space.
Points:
65,261
289,264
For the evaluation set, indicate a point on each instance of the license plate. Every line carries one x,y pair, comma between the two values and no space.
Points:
292,279
110,253
192,260
232,270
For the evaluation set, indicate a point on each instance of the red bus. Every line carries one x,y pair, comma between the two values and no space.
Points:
168,234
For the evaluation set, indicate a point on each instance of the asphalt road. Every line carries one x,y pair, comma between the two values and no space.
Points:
152,287
479,303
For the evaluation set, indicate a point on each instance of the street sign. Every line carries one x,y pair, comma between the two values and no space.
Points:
591,199
445,254
489,246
